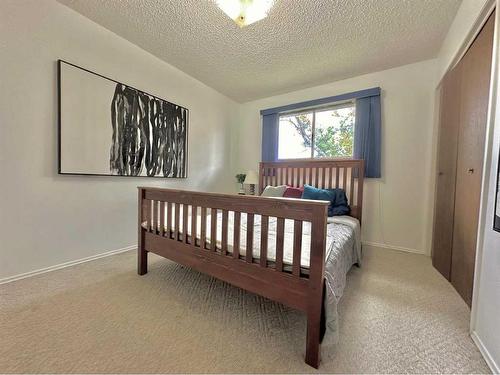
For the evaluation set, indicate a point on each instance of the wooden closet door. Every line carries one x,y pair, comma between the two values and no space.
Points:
475,84
449,120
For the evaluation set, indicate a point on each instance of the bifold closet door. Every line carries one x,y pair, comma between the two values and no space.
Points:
475,84
449,119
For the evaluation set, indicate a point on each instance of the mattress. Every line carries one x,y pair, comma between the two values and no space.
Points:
348,225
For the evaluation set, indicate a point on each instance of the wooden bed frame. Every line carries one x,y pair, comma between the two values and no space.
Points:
269,279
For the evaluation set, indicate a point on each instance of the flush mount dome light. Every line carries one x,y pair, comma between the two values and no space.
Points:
245,12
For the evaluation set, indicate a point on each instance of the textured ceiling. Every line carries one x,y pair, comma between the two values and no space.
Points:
302,43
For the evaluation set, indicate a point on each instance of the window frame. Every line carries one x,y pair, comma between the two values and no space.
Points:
313,110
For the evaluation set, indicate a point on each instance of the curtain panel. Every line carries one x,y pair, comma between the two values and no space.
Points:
270,125
367,134
367,127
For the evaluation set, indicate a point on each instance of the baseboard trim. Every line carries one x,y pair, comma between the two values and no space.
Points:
133,247
494,367
66,264
392,247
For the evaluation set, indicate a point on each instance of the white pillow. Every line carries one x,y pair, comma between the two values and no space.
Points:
274,191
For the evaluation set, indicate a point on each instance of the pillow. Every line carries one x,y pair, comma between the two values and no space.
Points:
293,192
274,191
337,197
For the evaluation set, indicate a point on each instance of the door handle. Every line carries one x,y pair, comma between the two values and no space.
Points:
470,170
440,173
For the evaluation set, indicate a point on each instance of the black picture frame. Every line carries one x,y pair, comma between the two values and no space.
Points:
60,62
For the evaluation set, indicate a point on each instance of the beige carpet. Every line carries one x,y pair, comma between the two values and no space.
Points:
398,315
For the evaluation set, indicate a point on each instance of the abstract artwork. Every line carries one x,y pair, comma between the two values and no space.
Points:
109,128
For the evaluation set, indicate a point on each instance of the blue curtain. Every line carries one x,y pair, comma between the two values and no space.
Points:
270,137
367,134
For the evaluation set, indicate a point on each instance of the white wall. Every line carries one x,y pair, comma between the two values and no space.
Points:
397,208
485,322
486,315
46,219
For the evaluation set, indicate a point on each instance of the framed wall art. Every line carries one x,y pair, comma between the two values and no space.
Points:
109,128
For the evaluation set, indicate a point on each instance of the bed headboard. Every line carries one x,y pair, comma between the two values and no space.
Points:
324,174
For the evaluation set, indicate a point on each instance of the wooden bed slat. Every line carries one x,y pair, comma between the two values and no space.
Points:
264,228
169,219
236,235
203,230
177,221
297,247
148,214
280,240
155,217
225,219
249,249
194,219
261,179
213,229
351,187
162,218
359,200
185,218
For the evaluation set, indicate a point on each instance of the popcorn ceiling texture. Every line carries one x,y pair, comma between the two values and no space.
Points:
301,44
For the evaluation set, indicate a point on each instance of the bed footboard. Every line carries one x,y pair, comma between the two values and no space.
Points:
173,224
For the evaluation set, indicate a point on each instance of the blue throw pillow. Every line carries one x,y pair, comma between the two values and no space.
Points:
337,197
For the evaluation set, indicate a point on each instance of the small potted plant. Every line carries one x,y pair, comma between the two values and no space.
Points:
241,178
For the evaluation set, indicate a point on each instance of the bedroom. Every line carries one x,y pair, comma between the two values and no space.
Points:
71,299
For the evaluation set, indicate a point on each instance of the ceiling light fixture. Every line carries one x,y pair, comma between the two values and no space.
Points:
245,12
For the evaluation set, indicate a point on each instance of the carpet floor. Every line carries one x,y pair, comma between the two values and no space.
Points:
398,315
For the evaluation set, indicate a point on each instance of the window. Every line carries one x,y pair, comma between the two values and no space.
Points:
317,133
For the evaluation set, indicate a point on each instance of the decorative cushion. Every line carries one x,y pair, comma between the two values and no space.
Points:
337,197
293,192
274,191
